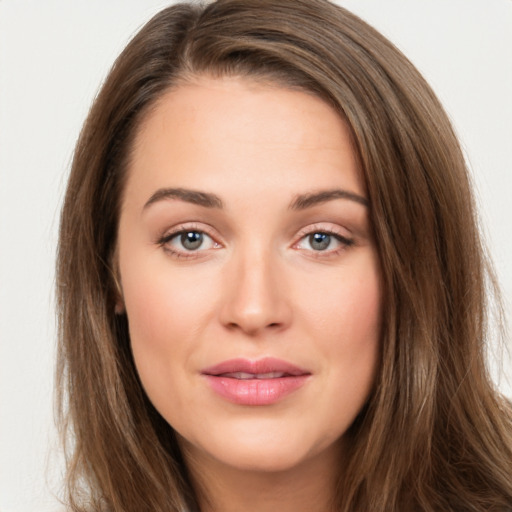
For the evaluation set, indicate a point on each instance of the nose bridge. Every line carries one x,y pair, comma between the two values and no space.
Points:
255,298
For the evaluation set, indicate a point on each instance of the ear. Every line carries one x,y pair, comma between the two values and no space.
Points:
119,308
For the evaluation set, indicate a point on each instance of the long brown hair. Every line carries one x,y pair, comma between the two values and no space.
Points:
435,434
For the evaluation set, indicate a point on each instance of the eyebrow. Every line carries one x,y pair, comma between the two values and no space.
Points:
304,201
209,200
190,196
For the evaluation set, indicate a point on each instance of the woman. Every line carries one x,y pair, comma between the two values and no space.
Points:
271,283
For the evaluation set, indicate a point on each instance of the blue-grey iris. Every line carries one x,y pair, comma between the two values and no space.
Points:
191,240
319,241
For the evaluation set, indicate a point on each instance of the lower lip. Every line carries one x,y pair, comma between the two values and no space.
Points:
255,391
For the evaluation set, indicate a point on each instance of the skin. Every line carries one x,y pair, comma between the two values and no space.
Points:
256,287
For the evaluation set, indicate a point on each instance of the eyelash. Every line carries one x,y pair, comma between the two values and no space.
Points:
164,241
181,230
345,242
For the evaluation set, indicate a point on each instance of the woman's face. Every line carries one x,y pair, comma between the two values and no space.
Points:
249,274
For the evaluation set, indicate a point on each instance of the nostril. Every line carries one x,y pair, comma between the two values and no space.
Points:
252,329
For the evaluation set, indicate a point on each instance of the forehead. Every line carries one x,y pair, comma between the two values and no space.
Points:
218,129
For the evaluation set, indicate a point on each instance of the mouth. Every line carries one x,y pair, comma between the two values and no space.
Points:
262,382
249,376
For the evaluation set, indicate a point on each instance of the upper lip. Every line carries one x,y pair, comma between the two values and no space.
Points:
266,365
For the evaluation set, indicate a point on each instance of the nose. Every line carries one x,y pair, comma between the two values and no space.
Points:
255,296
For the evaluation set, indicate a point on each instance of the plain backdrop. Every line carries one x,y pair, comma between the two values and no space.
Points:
54,54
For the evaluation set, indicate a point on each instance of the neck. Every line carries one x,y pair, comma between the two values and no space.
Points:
311,485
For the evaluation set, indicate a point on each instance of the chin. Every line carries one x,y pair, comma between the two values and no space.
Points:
266,460
258,448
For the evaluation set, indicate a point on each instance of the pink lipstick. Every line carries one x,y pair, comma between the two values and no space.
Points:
262,382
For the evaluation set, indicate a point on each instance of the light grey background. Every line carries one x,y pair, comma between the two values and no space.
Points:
53,56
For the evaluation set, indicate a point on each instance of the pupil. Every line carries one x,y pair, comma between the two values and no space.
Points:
319,241
192,240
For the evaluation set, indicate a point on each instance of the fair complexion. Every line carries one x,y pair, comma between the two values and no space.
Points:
251,284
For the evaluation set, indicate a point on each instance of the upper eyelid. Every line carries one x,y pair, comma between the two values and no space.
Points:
186,227
343,235
317,227
329,228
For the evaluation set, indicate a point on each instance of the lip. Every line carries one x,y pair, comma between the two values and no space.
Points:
265,390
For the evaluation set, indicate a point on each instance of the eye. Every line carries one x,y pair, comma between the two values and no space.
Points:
186,241
323,241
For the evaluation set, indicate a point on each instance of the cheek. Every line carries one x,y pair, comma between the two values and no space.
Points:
163,304
347,307
359,327
344,317
355,354
156,309
165,311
